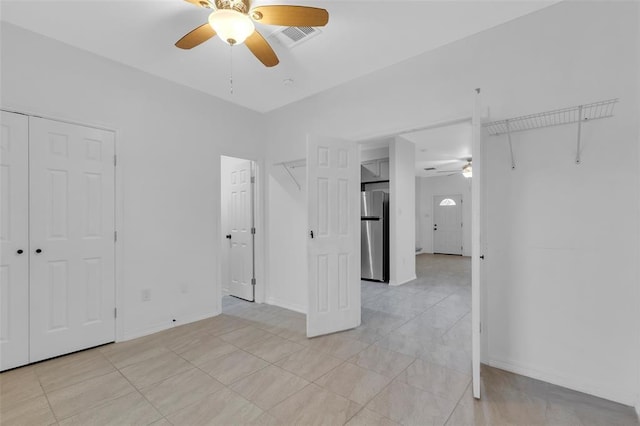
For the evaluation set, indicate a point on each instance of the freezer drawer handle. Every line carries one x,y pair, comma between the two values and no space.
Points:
370,218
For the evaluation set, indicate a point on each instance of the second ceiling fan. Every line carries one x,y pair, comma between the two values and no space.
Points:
233,21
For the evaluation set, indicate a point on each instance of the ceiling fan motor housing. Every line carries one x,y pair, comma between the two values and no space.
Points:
241,6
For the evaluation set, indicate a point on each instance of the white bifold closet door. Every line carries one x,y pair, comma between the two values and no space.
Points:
72,297
14,237
69,273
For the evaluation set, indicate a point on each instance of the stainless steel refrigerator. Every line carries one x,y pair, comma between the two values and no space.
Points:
374,211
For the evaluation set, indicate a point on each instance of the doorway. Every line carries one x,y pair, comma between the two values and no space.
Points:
237,219
447,224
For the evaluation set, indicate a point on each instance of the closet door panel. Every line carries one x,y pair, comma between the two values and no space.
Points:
14,240
72,226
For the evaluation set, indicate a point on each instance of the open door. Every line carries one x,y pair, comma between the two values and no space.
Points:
476,240
333,248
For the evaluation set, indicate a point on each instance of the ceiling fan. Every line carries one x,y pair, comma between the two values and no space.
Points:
466,170
233,21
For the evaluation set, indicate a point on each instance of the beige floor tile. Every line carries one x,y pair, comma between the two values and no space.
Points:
224,407
369,418
73,399
34,411
153,370
131,409
265,419
274,348
269,386
315,406
337,345
408,405
132,351
407,345
436,379
180,390
383,361
68,370
246,336
233,366
177,342
353,382
161,422
18,385
451,357
223,324
205,348
309,364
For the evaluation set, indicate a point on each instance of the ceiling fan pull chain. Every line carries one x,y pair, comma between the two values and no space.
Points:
231,70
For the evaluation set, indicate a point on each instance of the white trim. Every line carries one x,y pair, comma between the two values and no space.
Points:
393,283
141,332
600,390
286,305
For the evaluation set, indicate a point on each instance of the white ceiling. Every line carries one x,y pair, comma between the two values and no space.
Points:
445,148
361,37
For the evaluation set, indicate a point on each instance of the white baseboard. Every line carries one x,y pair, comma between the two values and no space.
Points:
394,283
141,332
286,305
610,393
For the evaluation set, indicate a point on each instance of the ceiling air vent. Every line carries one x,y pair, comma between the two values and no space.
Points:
292,36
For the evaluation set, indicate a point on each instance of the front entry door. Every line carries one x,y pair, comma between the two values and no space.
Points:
447,224
240,219
333,249
72,285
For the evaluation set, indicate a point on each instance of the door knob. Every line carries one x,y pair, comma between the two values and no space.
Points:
38,251
20,251
228,236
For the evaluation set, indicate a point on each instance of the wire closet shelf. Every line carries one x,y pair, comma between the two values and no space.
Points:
580,113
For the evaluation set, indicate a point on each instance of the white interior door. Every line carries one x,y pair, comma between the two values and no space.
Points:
476,241
14,236
447,224
240,219
333,249
72,285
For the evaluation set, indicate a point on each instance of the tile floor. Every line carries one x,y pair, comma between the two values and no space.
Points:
409,363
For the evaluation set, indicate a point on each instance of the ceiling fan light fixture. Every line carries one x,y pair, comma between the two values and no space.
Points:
467,171
232,26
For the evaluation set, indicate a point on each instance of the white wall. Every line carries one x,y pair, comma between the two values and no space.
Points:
169,141
563,297
402,219
426,189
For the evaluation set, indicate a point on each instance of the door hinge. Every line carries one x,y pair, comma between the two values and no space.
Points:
480,327
115,236
253,281
253,179
115,312
253,230
115,161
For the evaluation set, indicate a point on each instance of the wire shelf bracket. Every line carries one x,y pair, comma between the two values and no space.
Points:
576,114
290,165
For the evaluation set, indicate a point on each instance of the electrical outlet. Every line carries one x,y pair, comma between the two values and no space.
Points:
146,295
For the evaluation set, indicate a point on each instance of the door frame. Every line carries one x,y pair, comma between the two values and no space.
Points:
433,215
258,223
118,203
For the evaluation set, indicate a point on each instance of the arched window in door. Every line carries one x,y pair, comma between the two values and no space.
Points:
447,202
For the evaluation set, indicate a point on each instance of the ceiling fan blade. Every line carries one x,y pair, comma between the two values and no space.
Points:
201,34
261,49
291,16
200,3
